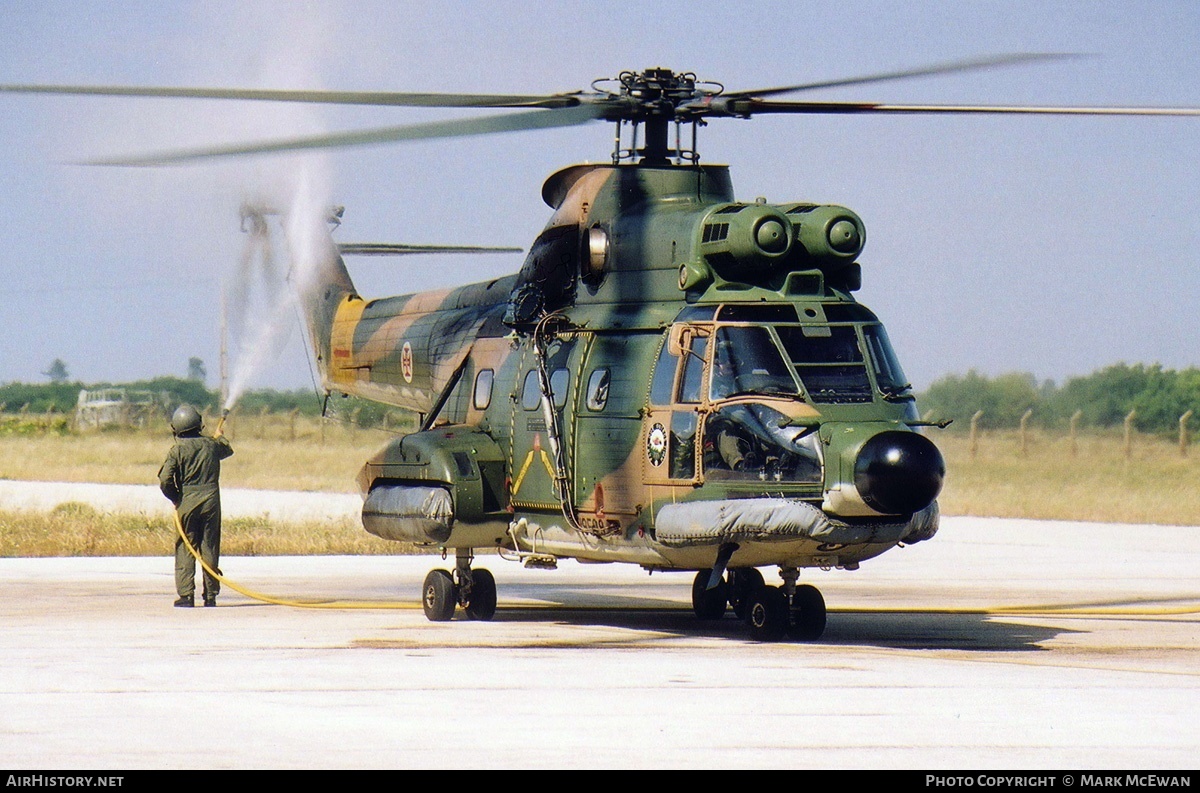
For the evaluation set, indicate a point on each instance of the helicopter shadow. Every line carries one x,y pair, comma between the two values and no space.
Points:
914,630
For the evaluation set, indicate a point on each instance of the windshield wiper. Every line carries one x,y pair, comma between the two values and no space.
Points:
896,393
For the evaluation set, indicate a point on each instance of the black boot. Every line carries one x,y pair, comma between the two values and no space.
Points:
185,602
210,601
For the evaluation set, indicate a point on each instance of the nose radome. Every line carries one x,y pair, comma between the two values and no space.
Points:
898,473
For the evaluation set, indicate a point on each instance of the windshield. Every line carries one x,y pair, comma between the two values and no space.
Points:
747,361
888,373
829,361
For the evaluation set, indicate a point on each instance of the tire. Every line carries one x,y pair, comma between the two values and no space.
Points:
742,584
438,596
767,614
808,613
709,604
481,600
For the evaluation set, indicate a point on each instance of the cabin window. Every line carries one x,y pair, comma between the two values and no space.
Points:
559,381
531,392
483,389
597,391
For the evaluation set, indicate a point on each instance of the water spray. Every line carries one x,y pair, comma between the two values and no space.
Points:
266,293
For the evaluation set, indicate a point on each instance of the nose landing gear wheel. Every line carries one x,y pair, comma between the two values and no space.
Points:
709,604
438,596
808,613
767,614
481,599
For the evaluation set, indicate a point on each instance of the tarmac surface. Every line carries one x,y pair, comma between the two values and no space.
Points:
999,644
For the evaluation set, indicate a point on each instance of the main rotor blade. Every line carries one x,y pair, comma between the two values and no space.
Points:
384,98
401,249
511,122
922,71
751,106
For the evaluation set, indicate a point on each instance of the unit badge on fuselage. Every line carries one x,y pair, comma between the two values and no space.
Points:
406,362
656,444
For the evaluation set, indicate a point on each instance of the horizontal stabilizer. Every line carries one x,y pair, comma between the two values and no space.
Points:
398,249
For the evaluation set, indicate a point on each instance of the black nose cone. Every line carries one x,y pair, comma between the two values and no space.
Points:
898,473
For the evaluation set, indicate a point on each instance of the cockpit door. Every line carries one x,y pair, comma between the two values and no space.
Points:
671,426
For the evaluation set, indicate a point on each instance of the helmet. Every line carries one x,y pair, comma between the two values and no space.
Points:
186,419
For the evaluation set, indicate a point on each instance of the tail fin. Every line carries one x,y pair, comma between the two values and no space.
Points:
324,290
318,274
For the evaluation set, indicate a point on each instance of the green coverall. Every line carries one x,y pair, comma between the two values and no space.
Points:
190,478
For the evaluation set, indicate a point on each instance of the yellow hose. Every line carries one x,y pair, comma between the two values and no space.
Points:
278,601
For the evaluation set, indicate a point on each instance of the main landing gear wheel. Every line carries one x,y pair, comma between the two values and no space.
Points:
438,596
808,613
709,604
743,582
767,614
480,601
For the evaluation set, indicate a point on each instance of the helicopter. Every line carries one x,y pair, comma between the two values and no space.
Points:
675,378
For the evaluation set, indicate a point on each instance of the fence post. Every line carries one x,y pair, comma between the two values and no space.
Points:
975,433
1078,414
292,423
1183,433
1024,432
1129,434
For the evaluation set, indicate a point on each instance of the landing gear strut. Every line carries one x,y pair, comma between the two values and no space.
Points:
474,590
770,612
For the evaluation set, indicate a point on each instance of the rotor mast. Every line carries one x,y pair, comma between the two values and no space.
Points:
655,99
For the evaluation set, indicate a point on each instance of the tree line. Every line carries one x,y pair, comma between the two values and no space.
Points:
62,397
1103,399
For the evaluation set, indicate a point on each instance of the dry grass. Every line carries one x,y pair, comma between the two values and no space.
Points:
1093,482
269,454
79,530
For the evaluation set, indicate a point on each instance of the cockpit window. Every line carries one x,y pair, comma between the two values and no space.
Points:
758,443
888,374
691,382
747,361
829,361
757,313
664,377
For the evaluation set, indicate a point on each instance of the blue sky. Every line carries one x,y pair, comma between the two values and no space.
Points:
1049,245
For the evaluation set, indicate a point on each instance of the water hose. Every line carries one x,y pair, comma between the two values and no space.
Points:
259,596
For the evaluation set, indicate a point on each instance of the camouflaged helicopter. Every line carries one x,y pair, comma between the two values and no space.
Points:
675,378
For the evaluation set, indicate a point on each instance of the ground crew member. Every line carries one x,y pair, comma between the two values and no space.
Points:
190,478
